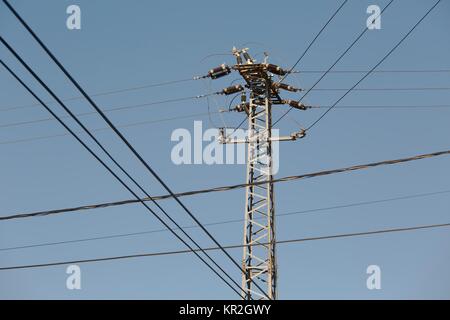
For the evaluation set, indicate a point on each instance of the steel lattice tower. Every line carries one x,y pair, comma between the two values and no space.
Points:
259,264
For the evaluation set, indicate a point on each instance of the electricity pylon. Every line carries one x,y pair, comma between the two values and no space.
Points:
259,265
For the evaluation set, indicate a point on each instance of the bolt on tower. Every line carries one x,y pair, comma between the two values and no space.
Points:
261,92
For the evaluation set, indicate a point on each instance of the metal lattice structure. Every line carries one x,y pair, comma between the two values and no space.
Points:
259,266
259,259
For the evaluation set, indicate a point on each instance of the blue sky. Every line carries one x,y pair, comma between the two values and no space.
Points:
125,44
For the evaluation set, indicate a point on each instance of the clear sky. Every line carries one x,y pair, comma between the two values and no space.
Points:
125,44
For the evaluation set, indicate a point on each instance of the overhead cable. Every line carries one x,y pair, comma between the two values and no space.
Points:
229,187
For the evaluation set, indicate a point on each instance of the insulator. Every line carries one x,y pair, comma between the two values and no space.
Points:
295,104
220,71
237,55
220,68
259,102
247,56
219,74
243,97
285,87
298,135
276,69
245,106
232,89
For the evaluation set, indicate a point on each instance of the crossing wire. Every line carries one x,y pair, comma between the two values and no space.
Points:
375,71
22,123
144,86
124,140
335,62
313,41
117,164
106,93
230,221
193,115
231,187
201,96
237,246
375,66
134,106
129,125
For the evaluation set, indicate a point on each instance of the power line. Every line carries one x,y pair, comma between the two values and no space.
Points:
423,107
115,162
147,122
144,86
121,136
314,40
129,125
375,71
335,63
204,96
223,222
382,89
134,106
126,142
131,148
145,104
375,66
22,123
237,246
106,93
230,187
120,108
